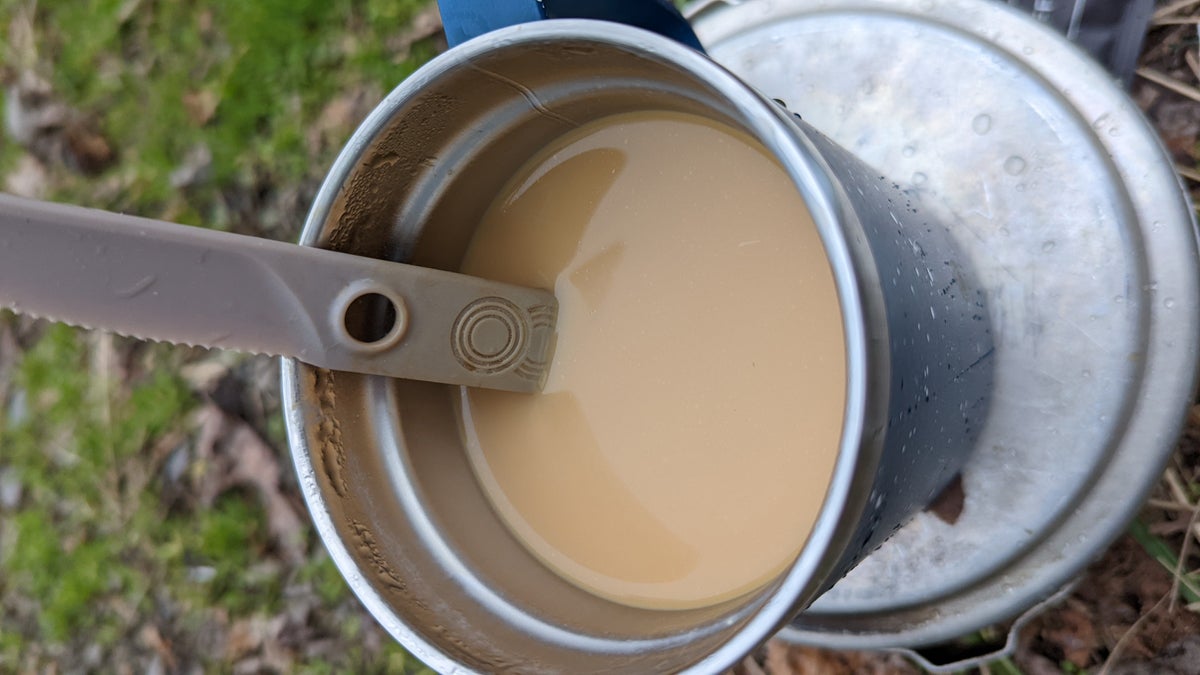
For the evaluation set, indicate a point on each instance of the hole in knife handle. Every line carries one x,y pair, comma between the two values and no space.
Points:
371,319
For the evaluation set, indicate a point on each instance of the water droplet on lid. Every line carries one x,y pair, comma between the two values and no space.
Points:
1087,374
1014,165
908,151
1114,131
919,178
1169,303
1047,246
982,123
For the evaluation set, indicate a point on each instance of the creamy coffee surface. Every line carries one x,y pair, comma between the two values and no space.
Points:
686,436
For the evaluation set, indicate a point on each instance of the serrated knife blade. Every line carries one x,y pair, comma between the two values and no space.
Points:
162,281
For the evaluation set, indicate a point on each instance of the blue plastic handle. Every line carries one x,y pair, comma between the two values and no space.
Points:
465,19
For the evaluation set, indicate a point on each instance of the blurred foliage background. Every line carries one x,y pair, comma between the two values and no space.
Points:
149,518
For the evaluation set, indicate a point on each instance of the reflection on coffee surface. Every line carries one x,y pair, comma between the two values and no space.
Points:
685,438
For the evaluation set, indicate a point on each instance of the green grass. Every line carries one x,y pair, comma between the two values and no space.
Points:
71,451
325,578
268,67
1189,585
98,543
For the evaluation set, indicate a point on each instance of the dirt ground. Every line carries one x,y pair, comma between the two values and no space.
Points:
216,568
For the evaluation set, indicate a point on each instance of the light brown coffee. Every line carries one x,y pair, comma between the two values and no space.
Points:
684,441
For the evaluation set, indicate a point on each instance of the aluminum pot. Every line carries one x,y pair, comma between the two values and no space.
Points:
382,462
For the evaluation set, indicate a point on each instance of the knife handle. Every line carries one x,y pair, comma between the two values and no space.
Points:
162,281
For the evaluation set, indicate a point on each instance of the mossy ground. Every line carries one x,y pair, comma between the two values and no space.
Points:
110,559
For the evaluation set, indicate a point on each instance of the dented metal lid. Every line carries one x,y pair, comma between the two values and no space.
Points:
1059,190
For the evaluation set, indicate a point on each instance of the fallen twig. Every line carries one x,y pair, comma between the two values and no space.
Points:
1189,57
1173,37
1169,82
1188,173
1115,652
1183,555
1168,505
1175,486
1176,21
1165,556
1168,10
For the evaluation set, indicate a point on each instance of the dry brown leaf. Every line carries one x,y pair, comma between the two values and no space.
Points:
84,149
426,24
949,504
1071,630
339,117
200,106
1178,124
275,654
253,644
51,131
152,638
245,637
784,659
1121,601
257,465
1146,95
248,461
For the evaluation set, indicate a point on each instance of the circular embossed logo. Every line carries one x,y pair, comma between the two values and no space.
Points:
541,337
489,335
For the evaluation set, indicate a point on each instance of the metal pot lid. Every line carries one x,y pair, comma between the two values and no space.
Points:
1056,186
